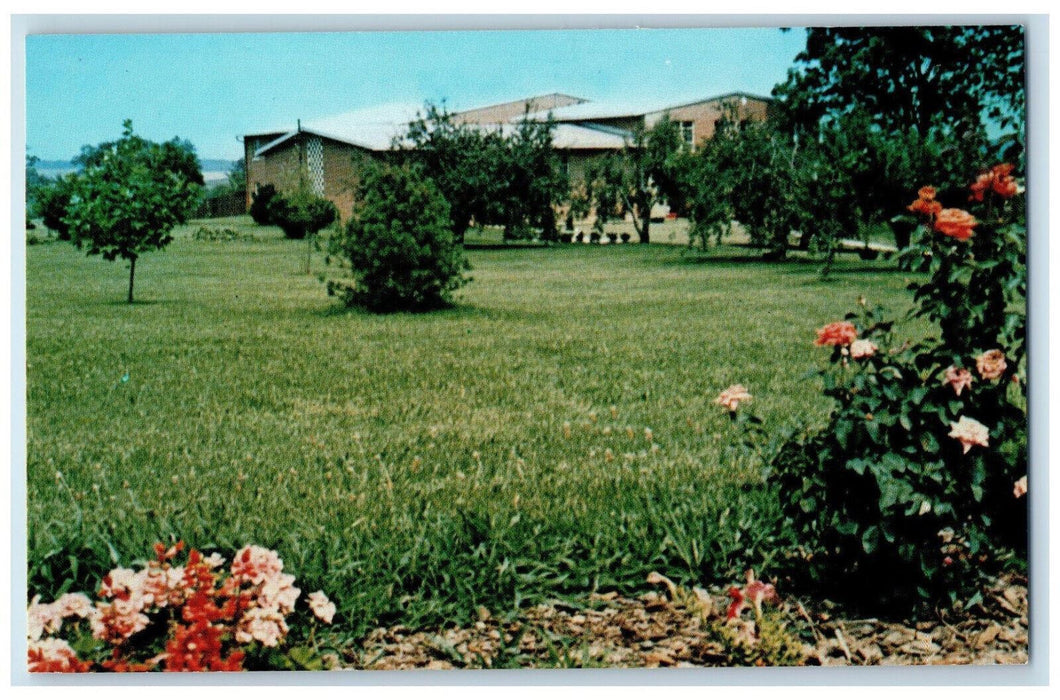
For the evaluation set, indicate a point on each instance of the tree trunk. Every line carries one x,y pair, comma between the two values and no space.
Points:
132,272
459,229
308,252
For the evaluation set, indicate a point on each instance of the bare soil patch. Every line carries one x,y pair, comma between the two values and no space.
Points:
655,630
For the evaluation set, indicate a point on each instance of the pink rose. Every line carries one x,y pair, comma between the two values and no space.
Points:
861,349
991,364
959,379
970,432
1019,489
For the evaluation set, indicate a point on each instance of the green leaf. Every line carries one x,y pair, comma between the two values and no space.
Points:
306,658
905,422
873,429
870,539
842,433
858,466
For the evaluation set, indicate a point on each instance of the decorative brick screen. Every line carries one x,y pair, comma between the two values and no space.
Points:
315,163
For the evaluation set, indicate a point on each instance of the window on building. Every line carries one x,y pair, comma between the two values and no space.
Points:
688,133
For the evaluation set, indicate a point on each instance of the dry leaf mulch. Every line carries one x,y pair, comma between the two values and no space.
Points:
655,631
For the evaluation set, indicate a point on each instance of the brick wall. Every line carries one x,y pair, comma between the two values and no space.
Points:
341,174
281,167
278,168
704,115
495,114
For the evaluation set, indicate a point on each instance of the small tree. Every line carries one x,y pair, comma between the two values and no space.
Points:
646,174
398,244
754,174
530,180
602,190
301,214
130,195
464,161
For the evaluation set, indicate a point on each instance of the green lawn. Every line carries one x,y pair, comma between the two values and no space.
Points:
417,466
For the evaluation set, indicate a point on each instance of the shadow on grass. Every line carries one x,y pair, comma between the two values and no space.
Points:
455,311
790,265
508,246
125,303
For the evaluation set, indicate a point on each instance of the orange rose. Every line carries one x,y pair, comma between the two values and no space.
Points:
979,187
998,179
838,333
926,203
955,223
1006,187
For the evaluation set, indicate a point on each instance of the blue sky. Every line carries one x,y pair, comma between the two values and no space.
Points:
210,88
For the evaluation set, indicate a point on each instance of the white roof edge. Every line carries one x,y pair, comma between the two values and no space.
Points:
315,132
275,142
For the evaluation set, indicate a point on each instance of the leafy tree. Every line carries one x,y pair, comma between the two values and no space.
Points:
130,195
301,214
907,77
911,102
398,244
757,175
838,181
464,161
237,176
176,155
645,174
602,191
52,201
530,181
35,182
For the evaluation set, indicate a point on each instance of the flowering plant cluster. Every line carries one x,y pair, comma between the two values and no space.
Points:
189,617
915,485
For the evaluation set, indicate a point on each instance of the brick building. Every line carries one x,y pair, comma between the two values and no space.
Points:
327,151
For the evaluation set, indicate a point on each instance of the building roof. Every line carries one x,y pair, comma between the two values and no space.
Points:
717,98
586,111
376,128
505,111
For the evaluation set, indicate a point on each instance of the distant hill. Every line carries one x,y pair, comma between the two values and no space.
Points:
213,169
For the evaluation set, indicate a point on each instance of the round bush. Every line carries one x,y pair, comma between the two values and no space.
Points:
399,244
259,204
300,213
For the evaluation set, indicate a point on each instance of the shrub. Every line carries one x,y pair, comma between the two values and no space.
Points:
399,244
259,204
300,213
914,487
224,234
51,202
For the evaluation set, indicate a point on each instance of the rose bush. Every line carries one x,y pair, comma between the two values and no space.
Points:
912,489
